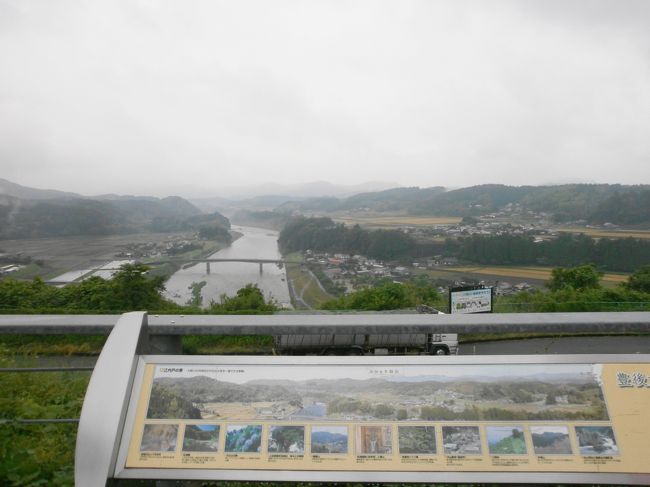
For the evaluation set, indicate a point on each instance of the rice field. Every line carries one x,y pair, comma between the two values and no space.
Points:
600,233
531,273
398,220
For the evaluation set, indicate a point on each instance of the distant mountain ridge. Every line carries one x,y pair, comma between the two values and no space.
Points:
597,203
205,389
271,195
35,213
32,212
303,190
7,188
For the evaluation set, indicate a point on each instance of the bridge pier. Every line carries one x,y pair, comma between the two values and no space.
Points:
207,268
261,268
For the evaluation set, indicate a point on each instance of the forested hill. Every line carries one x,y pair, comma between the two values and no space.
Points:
595,203
30,218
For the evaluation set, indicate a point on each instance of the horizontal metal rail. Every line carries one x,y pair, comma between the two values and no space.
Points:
40,421
345,323
46,369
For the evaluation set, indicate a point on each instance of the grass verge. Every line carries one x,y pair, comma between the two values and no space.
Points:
51,344
492,337
37,454
305,285
227,345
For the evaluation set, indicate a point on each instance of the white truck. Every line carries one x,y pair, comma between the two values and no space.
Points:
368,344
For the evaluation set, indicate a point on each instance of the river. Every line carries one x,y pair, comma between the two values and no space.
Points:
228,277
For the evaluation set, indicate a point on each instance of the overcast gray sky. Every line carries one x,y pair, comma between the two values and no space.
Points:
162,96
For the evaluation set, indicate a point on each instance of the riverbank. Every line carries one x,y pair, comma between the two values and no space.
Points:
209,247
50,257
226,278
306,291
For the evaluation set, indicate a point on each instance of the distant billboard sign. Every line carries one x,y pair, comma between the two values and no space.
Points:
470,299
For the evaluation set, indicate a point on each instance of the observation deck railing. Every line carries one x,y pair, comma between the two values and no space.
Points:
165,331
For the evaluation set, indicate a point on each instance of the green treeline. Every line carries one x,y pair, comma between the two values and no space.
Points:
249,300
215,232
324,235
130,289
579,289
388,295
624,254
575,300
570,290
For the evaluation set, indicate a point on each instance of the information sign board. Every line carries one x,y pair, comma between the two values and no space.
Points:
470,299
417,415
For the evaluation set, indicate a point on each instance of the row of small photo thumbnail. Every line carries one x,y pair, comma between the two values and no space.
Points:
508,439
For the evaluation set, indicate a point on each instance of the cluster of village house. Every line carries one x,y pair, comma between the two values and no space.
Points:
538,232
337,266
350,270
512,219
171,246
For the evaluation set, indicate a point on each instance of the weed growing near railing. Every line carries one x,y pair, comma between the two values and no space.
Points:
38,454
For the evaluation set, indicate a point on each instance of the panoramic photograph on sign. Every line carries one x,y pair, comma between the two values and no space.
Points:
523,417
406,393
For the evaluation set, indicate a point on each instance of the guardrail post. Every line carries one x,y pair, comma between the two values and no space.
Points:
105,404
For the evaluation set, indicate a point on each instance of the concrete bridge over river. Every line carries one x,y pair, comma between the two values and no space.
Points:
207,261
261,262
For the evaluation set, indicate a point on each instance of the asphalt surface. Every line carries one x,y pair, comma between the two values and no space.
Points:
566,345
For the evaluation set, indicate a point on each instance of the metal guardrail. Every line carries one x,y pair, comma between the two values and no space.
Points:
41,421
278,324
165,331
47,369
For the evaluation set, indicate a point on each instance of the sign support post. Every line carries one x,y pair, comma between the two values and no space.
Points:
168,418
104,408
